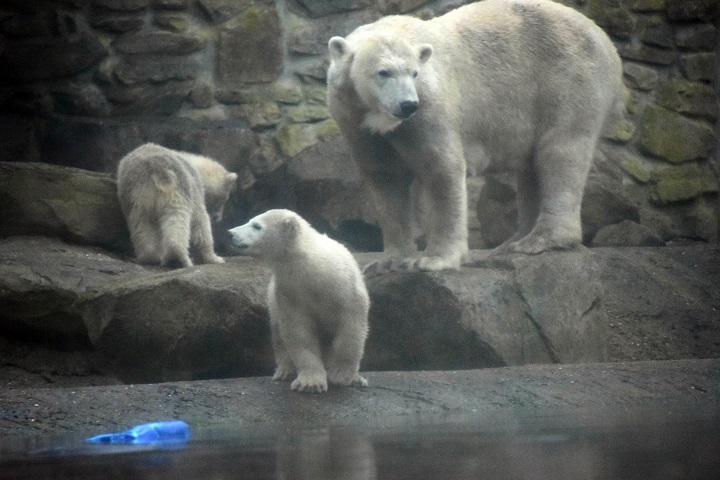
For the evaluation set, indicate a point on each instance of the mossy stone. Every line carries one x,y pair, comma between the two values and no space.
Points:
327,130
646,5
308,113
621,131
684,96
683,182
673,137
259,115
635,168
288,93
293,138
315,94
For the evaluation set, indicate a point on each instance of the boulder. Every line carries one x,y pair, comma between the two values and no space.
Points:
626,234
674,137
149,324
74,204
199,322
249,47
507,311
41,278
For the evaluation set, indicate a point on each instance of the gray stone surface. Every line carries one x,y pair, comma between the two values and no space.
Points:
150,324
186,324
249,49
392,398
605,201
207,321
41,279
692,98
44,58
159,43
134,60
674,137
81,206
626,234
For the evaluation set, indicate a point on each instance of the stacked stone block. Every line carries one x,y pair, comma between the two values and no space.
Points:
83,81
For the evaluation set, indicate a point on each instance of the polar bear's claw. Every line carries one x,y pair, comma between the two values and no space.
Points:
409,265
310,383
283,373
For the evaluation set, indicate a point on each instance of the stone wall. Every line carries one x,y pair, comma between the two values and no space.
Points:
84,81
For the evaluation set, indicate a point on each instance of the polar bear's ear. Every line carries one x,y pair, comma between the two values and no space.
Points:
426,52
290,227
230,181
338,47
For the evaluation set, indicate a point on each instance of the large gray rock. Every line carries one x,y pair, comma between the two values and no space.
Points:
249,47
199,322
506,311
46,58
41,278
151,324
80,206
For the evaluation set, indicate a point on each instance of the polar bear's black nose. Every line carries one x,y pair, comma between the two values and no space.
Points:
408,108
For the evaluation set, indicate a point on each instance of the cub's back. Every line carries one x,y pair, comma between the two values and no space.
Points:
151,169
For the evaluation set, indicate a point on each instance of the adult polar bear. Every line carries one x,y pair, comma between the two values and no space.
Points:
508,84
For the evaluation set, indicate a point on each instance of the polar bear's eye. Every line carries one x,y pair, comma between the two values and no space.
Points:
384,73
256,226
414,73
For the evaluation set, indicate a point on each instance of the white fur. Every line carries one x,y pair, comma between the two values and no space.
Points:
317,300
516,84
165,196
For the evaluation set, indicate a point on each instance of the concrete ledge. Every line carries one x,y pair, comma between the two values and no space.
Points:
257,403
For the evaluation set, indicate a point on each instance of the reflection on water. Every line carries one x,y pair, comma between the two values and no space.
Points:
648,444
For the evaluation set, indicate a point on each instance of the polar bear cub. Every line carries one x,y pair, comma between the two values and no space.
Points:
317,299
165,196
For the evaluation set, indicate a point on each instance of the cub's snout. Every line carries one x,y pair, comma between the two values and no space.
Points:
236,240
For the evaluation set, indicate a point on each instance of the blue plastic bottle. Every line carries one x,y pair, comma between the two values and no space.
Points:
170,432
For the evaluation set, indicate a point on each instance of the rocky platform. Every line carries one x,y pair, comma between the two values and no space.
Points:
616,420
675,387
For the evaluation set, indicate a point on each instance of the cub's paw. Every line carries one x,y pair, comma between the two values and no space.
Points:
315,382
283,372
346,377
359,381
213,259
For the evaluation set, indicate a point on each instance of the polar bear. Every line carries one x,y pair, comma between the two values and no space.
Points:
523,85
317,299
165,196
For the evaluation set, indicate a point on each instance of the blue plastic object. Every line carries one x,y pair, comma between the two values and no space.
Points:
156,433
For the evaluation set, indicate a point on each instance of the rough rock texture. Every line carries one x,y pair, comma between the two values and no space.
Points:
490,397
81,206
211,321
521,310
137,65
626,234
151,324
186,324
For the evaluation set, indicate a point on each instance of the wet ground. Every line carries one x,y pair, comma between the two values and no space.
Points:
622,420
645,443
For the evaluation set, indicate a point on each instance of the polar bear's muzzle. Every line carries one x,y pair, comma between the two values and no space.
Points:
407,108
237,241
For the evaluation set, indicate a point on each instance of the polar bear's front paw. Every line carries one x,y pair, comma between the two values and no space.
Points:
346,377
358,381
283,372
421,264
534,244
212,258
315,382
